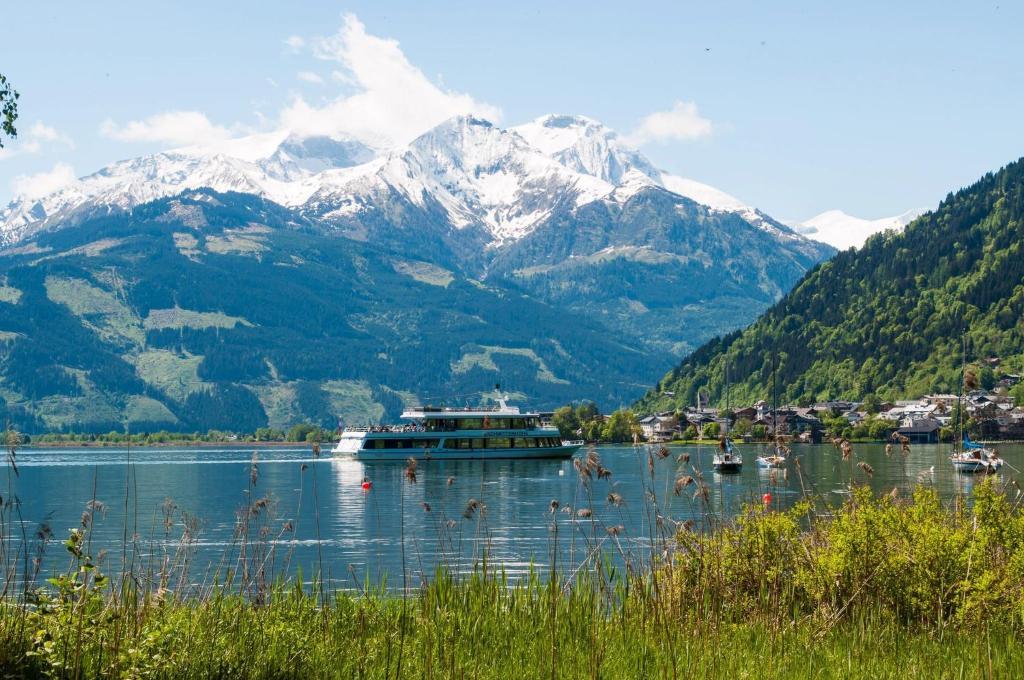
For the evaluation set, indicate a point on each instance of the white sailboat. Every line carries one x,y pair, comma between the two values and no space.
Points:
779,456
968,456
727,459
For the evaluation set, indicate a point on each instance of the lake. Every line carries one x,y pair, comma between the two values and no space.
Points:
305,511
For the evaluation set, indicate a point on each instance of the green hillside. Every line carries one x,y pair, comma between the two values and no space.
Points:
226,311
885,319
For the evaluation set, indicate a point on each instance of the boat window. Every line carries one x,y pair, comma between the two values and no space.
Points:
478,443
522,443
471,424
499,443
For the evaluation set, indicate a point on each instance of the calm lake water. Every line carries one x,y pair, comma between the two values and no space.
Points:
360,532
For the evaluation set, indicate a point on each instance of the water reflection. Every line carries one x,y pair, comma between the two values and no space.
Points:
457,511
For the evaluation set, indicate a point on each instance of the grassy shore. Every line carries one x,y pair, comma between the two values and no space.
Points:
879,587
485,628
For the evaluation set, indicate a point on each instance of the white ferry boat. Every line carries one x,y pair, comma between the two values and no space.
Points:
458,433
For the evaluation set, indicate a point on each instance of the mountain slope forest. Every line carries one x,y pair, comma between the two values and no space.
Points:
886,319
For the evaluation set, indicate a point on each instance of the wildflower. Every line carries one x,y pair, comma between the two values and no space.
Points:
553,506
426,506
615,499
683,458
616,530
868,470
410,470
451,480
663,452
603,472
584,512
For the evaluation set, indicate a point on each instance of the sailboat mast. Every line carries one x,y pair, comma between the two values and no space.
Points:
727,408
960,401
775,397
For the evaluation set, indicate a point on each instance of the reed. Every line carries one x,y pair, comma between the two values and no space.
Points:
880,586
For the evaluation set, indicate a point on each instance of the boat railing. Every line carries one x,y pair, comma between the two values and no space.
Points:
398,429
573,442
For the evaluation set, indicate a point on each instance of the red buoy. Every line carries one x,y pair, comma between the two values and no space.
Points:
367,484
767,498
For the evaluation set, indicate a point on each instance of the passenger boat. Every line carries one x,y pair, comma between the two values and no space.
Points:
485,433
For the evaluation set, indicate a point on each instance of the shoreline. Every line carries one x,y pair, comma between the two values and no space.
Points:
166,445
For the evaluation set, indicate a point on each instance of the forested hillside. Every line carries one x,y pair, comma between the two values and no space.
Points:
885,319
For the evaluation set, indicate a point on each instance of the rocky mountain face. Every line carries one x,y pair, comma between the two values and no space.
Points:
288,278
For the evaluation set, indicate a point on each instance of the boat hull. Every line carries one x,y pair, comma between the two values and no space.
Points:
401,455
972,466
728,467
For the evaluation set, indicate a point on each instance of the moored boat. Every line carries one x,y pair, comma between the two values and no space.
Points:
969,456
497,432
727,459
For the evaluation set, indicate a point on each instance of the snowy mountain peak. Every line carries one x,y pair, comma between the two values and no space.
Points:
843,231
586,146
503,181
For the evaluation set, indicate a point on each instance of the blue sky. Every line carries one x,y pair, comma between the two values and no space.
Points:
796,108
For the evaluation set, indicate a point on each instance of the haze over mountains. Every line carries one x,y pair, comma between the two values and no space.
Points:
548,256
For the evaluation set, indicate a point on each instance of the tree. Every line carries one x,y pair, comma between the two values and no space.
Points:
743,426
759,432
587,410
881,428
690,433
872,404
299,432
620,427
1017,393
8,110
712,430
987,378
566,420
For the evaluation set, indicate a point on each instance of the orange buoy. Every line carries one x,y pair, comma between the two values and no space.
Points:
367,484
767,498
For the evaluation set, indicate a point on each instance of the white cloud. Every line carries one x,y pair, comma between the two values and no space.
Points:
43,183
38,136
310,77
393,101
682,122
295,42
179,128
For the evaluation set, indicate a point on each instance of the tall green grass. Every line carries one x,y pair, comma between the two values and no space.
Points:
877,587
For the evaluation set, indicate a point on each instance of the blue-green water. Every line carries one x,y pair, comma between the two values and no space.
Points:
356,535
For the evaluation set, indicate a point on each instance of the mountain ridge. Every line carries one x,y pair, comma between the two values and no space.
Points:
885,319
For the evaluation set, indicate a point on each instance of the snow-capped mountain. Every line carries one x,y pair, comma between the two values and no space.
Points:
845,231
504,182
